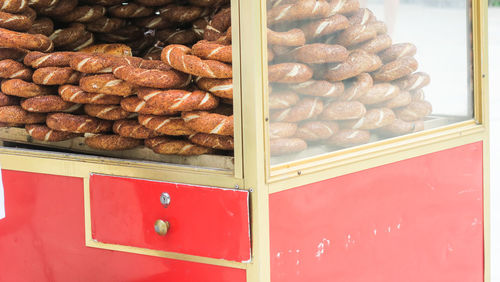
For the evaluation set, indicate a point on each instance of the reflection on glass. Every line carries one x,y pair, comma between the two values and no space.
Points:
345,72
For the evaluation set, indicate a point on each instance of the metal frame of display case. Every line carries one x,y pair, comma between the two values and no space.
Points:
252,168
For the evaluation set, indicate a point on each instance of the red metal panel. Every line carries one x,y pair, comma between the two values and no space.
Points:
204,221
414,220
42,239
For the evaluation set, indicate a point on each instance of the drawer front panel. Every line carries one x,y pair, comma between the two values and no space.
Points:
203,221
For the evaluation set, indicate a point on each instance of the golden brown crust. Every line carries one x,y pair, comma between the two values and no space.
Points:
16,54
60,8
416,110
292,37
83,14
135,104
396,69
174,126
176,36
181,14
213,141
357,88
65,36
109,49
345,7
112,142
373,119
41,60
359,61
414,81
106,84
319,53
282,100
306,9
77,123
56,76
325,26
152,77
211,123
12,69
343,110
379,93
179,100
43,26
179,57
284,146
397,51
107,112
167,146
106,25
131,10
7,100
133,129
213,51
321,88
377,44
14,39
218,25
282,130
289,73
317,130
350,137
16,114
222,88
306,108
44,133
46,104
75,94
17,22
14,6
21,88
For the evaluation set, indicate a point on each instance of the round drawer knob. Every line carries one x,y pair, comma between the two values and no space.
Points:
161,227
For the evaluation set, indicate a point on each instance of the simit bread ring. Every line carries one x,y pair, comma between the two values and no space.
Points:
373,119
12,53
282,130
317,130
152,77
350,137
83,14
131,10
397,51
99,63
112,142
106,84
87,39
165,125
106,25
321,88
109,49
75,94
403,99
17,22
56,76
379,93
77,123
324,26
44,133
416,110
208,3
132,129
343,111
213,51
167,146
12,69
16,114
154,2
46,104
283,146
199,26
307,108
417,95
377,44
304,9
219,87
213,141
401,127
179,57
357,88
282,99
414,81
107,112
21,88
13,6
13,39
211,123
153,22
43,26
379,26
319,53
176,36
218,25
356,34
42,3
7,100
293,37
179,100
135,104
40,60
343,7
289,73
396,69
362,16
60,8
104,2
65,36
182,14
359,61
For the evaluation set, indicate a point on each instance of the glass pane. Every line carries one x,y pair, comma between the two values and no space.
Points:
142,80
344,72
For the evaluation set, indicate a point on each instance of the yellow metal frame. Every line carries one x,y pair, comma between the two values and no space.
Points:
253,170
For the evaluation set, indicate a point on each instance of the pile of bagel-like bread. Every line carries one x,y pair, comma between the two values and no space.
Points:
336,77
162,79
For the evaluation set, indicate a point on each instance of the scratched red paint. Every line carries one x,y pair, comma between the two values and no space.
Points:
42,239
414,220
